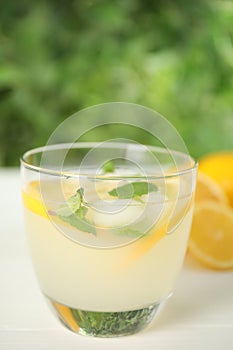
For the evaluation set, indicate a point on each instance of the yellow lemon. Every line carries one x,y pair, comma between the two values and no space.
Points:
211,238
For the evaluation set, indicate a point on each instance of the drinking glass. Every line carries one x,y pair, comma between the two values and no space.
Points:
108,232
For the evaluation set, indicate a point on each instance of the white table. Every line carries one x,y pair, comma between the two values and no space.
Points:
199,315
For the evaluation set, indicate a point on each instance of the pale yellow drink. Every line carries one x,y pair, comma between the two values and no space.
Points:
132,276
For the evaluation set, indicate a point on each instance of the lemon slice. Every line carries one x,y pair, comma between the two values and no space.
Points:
148,241
219,166
208,189
31,199
65,314
211,237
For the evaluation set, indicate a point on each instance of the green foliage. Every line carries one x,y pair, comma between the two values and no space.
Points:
112,323
57,57
133,190
74,213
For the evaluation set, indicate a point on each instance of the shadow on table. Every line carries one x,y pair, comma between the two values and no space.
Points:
202,297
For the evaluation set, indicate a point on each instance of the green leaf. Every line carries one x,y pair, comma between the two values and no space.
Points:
108,167
130,232
81,224
112,323
74,213
73,204
76,200
133,190
81,212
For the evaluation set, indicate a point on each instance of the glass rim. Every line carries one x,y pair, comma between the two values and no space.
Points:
86,144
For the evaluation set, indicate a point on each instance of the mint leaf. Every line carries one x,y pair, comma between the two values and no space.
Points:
81,212
81,224
74,213
73,204
112,323
133,190
108,167
127,231
76,200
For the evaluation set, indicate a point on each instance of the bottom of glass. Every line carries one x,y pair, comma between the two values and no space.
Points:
104,324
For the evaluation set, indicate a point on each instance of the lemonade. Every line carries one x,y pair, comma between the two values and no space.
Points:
116,265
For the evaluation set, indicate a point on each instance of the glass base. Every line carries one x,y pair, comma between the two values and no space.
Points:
104,324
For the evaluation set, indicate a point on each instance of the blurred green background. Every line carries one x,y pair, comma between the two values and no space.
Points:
59,56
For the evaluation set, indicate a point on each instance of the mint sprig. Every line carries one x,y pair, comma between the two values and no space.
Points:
133,190
74,213
113,323
108,167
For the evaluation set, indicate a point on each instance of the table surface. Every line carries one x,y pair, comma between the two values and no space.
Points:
199,315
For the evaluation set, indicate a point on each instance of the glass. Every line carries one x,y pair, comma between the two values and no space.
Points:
107,233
